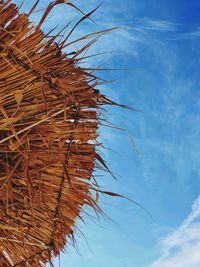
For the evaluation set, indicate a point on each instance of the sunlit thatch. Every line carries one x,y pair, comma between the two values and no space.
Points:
48,130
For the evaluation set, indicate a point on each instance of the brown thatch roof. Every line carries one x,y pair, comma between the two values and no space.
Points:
48,129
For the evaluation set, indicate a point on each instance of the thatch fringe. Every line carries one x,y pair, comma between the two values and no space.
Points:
48,128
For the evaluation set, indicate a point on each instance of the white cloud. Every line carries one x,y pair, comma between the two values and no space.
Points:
193,33
182,247
158,25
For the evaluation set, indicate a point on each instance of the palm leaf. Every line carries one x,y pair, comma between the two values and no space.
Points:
48,127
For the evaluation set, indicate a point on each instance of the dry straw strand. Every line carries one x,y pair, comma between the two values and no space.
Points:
49,118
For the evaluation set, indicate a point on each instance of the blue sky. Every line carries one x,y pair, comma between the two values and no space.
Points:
159,44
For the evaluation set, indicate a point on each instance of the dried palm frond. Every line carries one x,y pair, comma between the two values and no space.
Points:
48,129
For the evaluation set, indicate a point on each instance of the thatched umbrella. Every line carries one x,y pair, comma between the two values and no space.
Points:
49,117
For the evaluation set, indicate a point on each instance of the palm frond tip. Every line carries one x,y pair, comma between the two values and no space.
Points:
48,118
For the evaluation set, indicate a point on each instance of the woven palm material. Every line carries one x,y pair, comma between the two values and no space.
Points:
48,130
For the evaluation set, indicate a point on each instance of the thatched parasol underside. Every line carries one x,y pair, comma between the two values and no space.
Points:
48,130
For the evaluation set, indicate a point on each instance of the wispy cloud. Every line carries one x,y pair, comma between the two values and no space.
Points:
158,25
192,33
181,248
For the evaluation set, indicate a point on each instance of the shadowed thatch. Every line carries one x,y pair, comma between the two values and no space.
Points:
48,130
